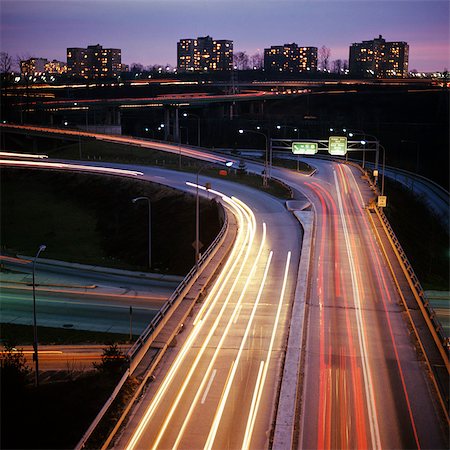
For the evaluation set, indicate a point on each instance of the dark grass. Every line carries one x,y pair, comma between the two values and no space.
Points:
423,237
17,335
91,219
56,415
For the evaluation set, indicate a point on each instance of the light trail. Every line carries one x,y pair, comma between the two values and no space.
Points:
259,386
370,397
220,344
227,388
385,295
339,289
21,155
66,166
213,297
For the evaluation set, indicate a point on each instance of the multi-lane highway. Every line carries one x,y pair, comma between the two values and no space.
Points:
364,385
362,382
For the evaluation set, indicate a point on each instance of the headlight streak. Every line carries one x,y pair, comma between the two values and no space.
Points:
21,155
219,346
358,424
221,282
227,388
259,386
370,398
66,166
383,288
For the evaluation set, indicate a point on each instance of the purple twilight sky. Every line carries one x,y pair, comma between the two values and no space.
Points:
147,30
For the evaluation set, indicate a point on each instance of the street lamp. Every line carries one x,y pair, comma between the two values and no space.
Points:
134,200
382,173
35,341
296,129
198,125
197,212
266,163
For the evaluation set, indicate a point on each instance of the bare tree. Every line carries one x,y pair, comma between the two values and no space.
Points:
136,68
6,63
337,66
240,61
324,57
257,61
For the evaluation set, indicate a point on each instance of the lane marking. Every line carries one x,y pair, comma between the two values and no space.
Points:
370,397
208,387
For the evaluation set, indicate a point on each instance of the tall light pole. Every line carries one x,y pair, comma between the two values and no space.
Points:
149,228
266,161
384,165
35,339
198,125
296,129
197,212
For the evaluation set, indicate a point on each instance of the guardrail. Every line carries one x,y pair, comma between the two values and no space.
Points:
140,347
436,329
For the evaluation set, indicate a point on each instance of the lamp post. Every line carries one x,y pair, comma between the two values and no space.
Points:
198,125
197,212
296,129
377,146
35,335
134,200
383,167
266,162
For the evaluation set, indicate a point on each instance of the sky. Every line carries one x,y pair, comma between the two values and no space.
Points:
147,30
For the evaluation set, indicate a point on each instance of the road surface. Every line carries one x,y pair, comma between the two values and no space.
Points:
363,385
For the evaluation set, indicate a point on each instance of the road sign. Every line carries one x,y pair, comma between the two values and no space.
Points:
337,145
304,148
375,173
200,244
382,201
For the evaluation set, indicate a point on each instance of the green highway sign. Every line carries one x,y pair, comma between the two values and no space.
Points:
337,145
304,148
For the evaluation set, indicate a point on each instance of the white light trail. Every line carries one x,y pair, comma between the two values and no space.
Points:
368,385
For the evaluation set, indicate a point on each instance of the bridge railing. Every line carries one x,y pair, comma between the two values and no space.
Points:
435,326
141,346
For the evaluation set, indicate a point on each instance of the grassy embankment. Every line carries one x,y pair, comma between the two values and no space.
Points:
423,237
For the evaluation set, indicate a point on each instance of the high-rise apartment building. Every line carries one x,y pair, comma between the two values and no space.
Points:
379,59
94,62
290,58
33,66
204,54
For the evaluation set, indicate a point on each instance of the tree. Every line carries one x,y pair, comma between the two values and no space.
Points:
5,63
240,61
324,57
136,68
14,370
113,360
257,61
336,66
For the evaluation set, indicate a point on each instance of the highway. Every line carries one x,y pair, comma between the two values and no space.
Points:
362,382
78,309
364,386
227,369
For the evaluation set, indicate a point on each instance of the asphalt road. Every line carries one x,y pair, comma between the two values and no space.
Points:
363,383
364,386
227,369
77,309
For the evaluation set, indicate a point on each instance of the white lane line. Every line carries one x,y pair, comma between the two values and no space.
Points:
237,314
259,387
209,386
221,281
368,385
223,400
